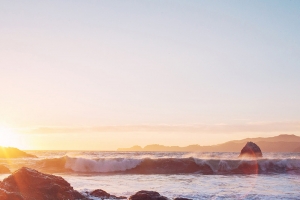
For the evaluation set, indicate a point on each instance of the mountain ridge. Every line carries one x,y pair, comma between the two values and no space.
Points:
280,143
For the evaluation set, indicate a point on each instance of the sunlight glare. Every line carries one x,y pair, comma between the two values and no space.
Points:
8,138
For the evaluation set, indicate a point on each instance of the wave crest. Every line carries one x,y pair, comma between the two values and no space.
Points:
101,165
168,165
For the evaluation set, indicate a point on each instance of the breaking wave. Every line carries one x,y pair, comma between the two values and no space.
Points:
101,165
168,165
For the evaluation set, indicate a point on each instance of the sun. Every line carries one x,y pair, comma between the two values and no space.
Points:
8,138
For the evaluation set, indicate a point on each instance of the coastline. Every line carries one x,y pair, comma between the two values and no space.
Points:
190,175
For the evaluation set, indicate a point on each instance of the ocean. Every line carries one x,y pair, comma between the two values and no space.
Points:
194,175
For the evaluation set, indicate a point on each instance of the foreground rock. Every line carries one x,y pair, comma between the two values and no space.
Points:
5,195
181,198
251,150
29,184
147,195
4,170
10,152
104,195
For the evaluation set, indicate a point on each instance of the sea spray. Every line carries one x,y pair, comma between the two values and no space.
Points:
157,163
101,165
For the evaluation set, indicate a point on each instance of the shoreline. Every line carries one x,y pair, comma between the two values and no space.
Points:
27,184
191,186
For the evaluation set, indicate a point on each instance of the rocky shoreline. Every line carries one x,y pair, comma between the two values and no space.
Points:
28,184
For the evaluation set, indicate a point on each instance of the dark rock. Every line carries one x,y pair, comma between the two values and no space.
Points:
5,195
251,150
181,198
115,197
104,195
121,197
10,152
147,195
100,193
29,184
4,170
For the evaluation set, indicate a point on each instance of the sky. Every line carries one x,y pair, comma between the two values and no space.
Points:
99,75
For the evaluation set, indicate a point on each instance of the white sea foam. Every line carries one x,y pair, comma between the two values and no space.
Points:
223,166
194,186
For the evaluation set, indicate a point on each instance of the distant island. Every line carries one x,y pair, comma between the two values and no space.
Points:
280,143
11,152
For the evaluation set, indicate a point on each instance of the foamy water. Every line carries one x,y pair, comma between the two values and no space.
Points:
173,174
195,186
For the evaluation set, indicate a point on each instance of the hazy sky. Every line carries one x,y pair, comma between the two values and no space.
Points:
109,74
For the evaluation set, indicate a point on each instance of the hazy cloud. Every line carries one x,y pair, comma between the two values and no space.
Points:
282,127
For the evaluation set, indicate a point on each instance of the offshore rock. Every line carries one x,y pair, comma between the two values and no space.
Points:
4,170
147,195
251,150
10,152
104,195
29,184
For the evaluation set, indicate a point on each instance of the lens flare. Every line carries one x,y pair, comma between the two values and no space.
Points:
8,138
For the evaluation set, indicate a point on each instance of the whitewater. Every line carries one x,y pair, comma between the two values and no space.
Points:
194,175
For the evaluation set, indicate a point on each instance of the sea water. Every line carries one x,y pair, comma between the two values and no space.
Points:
277,175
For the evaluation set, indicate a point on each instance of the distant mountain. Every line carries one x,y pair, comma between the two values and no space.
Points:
11,152
280,143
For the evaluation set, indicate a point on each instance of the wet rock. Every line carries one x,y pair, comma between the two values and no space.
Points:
100,193
5,195
4,170
251,150
10,152
104,195
121,197
147,195
29,184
